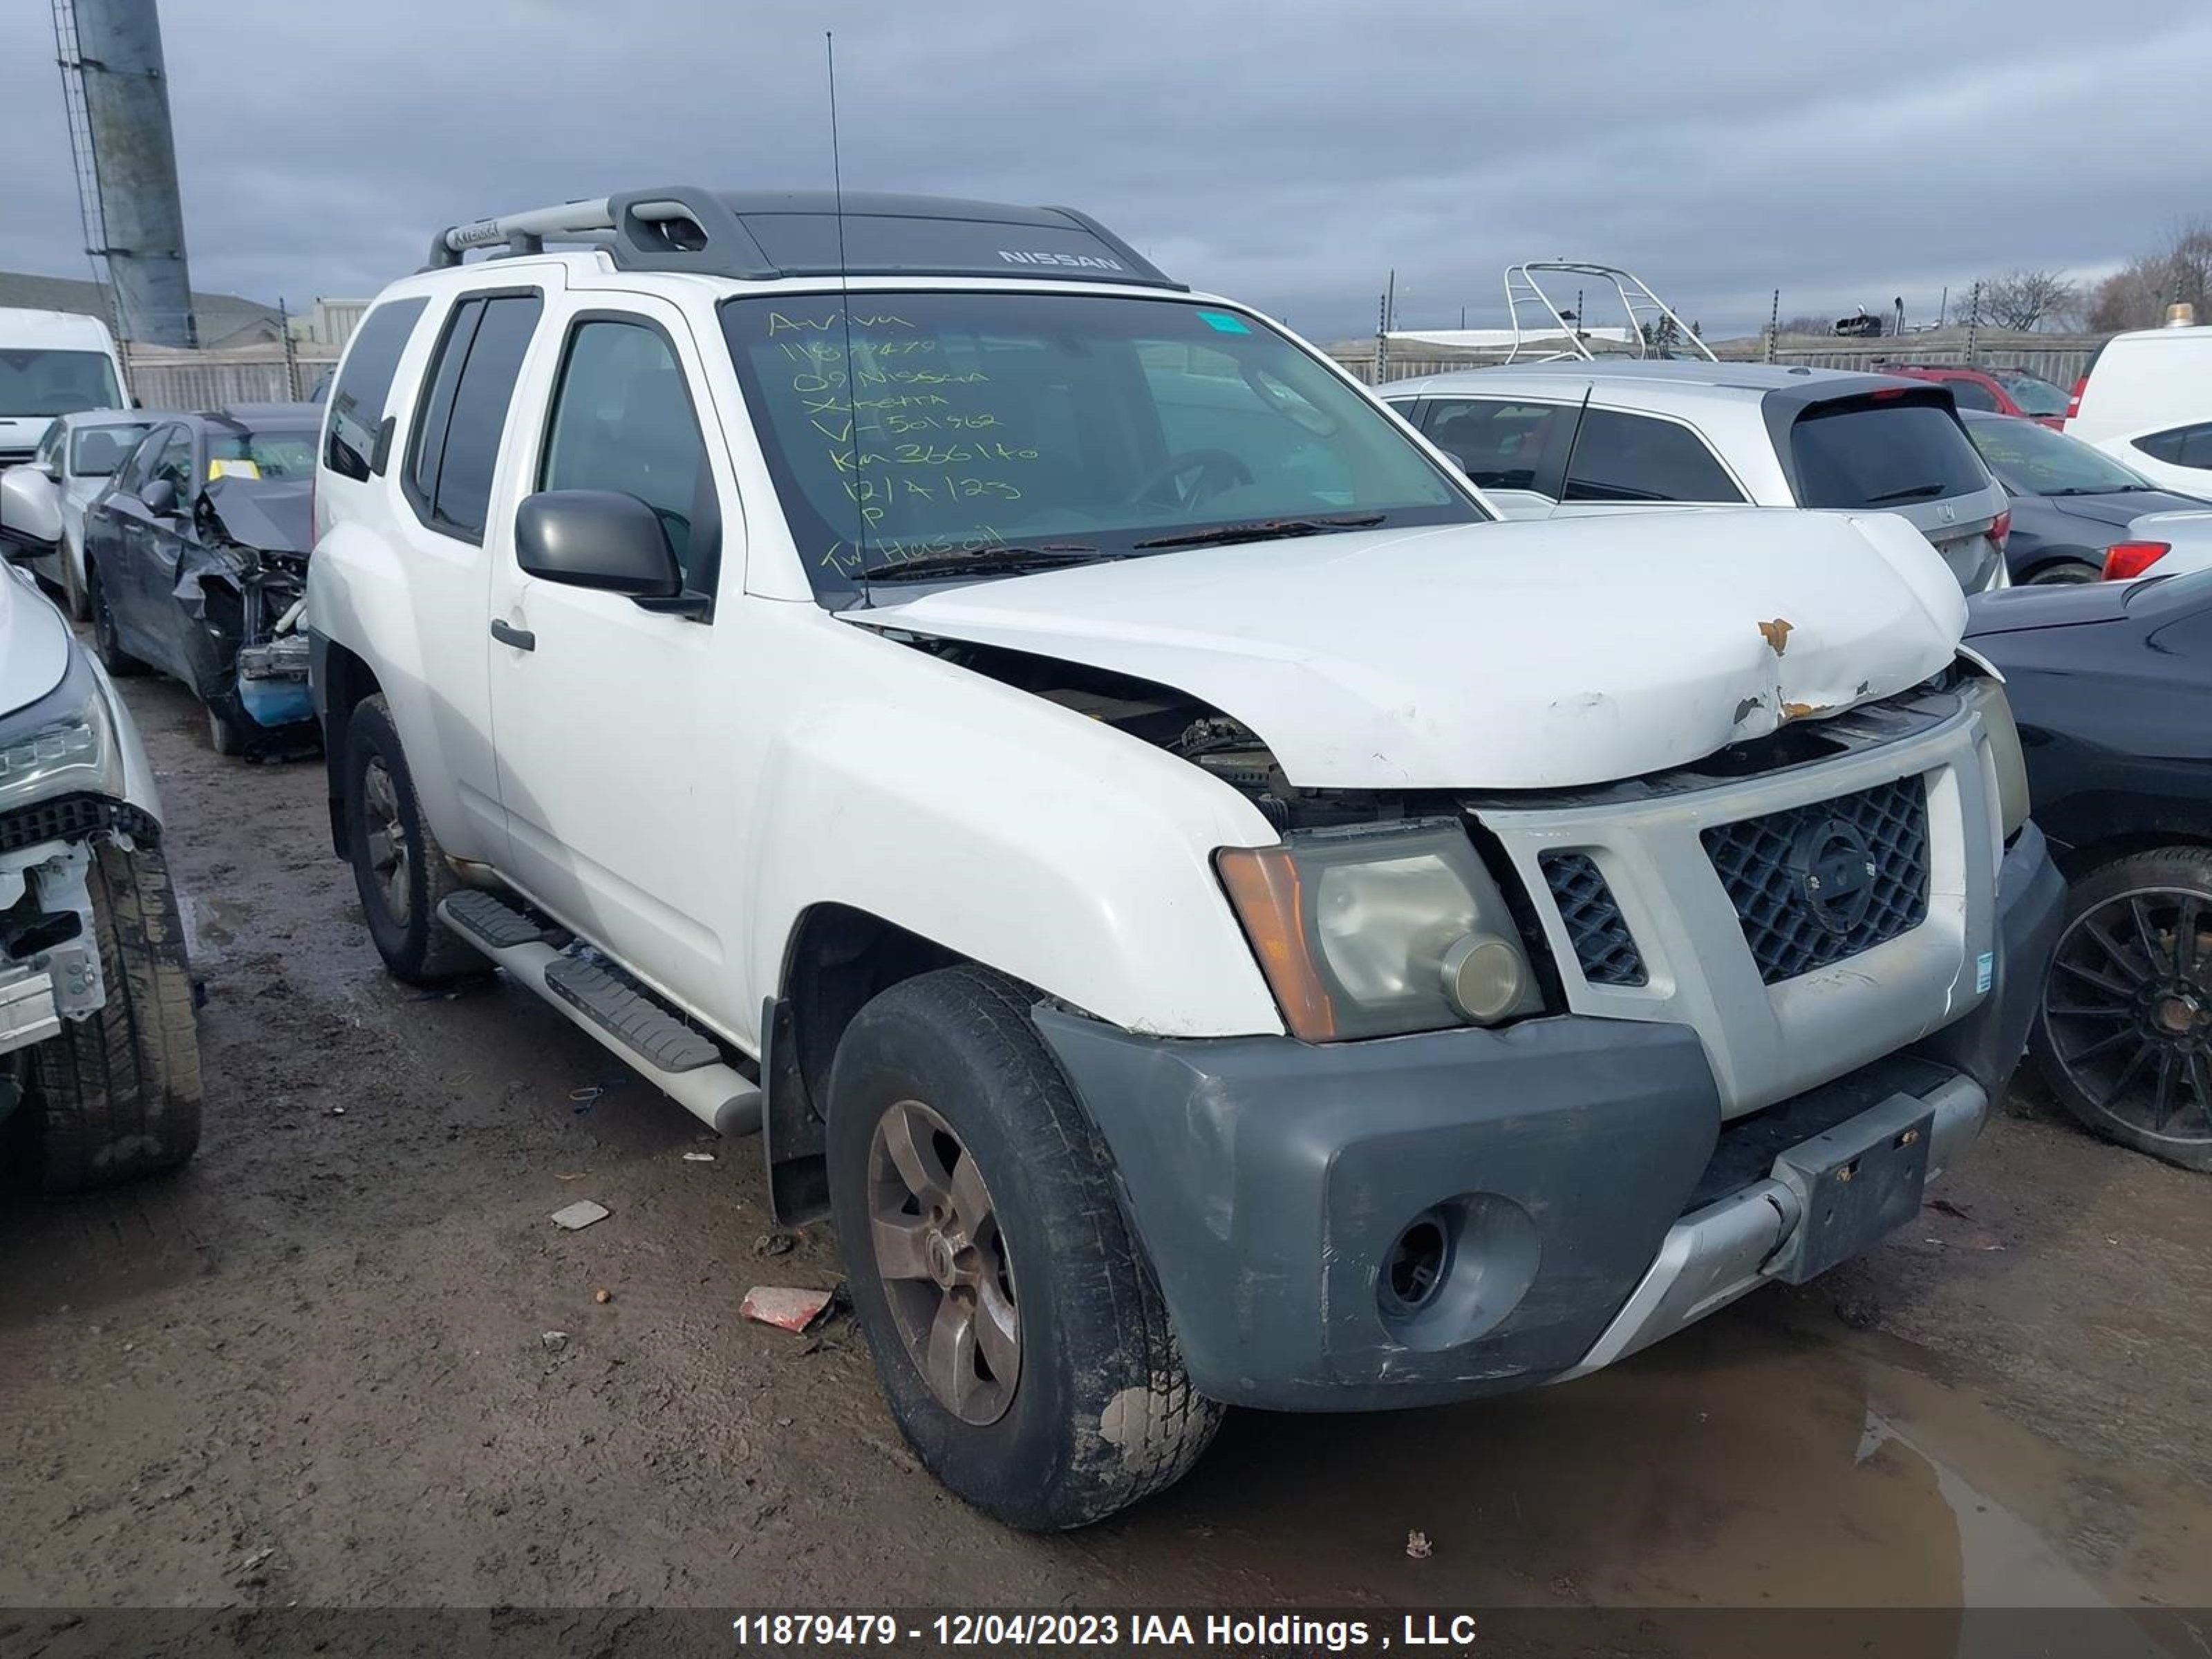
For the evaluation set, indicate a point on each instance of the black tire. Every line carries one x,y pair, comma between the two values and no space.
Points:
227,734
118,1095
106,640
1102,1413
416,946
73,594
2064,573
2133,974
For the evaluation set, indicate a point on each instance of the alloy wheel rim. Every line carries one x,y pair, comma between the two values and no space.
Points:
946,1273
386,839
2128,1009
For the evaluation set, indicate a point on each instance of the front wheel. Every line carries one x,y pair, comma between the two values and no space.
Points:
73,594
106,638
1021,1340
2125,1034
118,1093
399,867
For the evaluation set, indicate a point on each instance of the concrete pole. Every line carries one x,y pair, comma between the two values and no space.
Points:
126,100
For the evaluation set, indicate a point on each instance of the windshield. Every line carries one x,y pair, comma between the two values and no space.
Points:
96,451
2034,460
56,382
2034,395
269,451
1067,426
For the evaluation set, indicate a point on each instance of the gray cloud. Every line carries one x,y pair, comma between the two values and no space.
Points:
1288,152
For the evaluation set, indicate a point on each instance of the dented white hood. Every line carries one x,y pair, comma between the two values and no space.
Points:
1500,656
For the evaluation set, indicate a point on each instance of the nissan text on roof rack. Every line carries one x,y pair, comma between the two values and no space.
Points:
1212,917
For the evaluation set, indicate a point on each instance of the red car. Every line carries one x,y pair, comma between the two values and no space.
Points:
2000,390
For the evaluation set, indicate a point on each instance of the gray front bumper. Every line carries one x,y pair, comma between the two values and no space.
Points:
1595,1202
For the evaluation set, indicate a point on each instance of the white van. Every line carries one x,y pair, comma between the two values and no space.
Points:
52,362
2148,399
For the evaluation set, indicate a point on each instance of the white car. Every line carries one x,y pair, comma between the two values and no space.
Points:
100,1065
42,502
1212,917
52,362
2162,544
1596,439
2147,399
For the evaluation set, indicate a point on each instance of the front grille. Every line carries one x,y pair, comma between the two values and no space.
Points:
1603,945
73,817
1803,895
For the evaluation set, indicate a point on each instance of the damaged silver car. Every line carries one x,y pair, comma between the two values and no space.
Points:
196,558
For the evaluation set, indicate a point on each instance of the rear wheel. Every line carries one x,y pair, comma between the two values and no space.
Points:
106,640
118,1094
401,871
2064,573
2125,1034
1021,1340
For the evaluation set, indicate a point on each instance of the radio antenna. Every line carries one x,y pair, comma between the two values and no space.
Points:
845,313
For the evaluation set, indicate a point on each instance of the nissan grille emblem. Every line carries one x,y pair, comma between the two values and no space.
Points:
1835,871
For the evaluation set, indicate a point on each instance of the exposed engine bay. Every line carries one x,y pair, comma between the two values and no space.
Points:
240,586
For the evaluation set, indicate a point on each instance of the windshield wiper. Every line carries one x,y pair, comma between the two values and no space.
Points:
1911,493
1260,530
985,560
2097,490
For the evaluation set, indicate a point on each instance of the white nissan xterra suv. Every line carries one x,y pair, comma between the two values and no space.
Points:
1210,917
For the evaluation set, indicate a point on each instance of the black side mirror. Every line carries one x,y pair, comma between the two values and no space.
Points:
598,538
159,496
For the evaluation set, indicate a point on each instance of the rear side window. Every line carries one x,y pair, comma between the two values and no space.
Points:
463,417
1633,458
1881,452
2180,445
1499,443
623,420
358,404
1973,394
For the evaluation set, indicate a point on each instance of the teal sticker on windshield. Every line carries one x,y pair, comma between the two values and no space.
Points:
1222,323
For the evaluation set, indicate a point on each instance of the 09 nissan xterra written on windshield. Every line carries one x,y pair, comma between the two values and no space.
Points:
1210,917
942,433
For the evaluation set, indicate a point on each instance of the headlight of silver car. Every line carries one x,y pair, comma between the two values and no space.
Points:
62,744
1986,692
1376,931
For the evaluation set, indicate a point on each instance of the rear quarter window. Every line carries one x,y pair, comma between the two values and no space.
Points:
359,401
1881,452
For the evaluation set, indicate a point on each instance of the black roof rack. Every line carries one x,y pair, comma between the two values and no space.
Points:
761,235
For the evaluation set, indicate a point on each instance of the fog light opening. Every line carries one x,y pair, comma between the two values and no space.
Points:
1414,1270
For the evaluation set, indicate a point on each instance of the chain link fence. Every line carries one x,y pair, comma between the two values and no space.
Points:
169,377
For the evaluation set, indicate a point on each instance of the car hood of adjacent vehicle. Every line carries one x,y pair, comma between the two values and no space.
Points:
1505,656
35,644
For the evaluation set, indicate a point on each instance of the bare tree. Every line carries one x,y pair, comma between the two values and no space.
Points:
2138,294
2026,300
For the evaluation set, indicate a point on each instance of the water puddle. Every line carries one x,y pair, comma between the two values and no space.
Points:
1746,1463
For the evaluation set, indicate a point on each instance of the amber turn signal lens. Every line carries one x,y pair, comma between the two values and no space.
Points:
1264,889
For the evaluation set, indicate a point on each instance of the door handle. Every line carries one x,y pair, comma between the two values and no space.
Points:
520,638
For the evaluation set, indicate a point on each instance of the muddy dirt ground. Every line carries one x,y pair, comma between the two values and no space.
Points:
313,1367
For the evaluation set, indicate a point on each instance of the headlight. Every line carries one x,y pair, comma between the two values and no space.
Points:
1379,932
1987,693
62,744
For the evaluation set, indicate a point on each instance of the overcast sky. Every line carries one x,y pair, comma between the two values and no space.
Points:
1289,153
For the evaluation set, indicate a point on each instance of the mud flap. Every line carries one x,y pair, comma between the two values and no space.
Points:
1856,1184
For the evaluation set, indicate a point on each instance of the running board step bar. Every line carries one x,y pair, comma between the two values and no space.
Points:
625,1018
